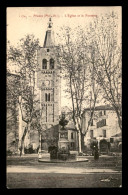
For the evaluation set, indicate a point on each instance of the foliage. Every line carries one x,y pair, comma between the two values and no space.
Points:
63,151
63,122
24,57
12,111
105,52
91,64
76,71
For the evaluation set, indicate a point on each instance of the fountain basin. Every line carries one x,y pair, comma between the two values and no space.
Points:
78,159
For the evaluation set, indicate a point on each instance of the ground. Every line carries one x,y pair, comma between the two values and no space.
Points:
53,180
27,172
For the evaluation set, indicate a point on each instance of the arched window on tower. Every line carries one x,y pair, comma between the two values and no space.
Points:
51,64
44,64
47,97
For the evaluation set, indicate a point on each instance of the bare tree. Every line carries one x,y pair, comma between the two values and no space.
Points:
78,74
104,40
24,56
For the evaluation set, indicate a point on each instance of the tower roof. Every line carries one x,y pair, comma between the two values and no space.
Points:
49,36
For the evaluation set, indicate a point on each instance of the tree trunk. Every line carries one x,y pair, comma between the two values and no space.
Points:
79,141
22,140
28,134
119,120
82,142
118,116
39,142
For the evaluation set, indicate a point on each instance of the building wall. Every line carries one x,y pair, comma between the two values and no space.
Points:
72,138
111,126
34,139
50,137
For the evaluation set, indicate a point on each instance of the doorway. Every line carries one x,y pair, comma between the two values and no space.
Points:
103,146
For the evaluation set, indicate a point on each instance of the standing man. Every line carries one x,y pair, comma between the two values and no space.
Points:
96,153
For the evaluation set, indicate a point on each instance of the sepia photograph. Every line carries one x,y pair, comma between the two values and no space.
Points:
64,97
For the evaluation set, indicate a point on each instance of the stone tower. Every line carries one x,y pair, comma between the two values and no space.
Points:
48,80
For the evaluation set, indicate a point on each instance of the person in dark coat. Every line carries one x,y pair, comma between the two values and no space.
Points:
96,153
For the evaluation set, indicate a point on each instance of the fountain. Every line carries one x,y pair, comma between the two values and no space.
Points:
62,153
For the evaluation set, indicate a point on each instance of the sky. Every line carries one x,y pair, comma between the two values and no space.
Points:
34,20
23,20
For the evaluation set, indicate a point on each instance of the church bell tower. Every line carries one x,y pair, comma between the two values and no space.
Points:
48,79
